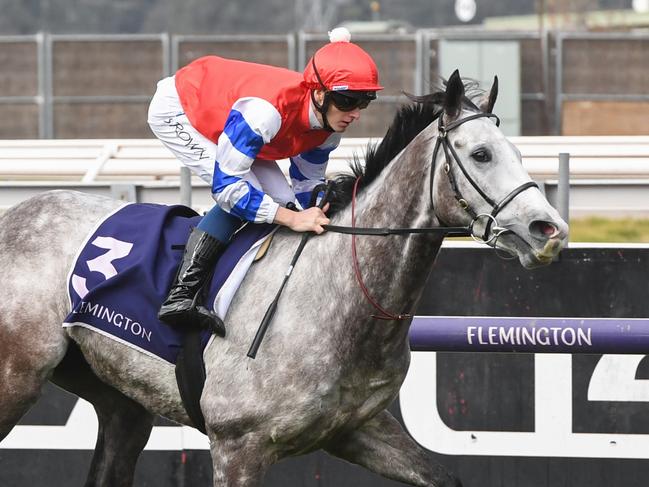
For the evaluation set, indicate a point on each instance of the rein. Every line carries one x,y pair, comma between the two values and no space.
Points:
384,314
468,231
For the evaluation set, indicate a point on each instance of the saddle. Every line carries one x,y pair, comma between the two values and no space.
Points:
126,265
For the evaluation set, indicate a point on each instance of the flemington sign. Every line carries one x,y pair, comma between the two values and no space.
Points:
529,335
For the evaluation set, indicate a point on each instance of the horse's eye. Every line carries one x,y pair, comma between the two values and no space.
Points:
482,155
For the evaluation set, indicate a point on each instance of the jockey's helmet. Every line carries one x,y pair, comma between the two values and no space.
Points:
345,72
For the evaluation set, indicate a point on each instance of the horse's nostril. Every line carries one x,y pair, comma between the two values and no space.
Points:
543,229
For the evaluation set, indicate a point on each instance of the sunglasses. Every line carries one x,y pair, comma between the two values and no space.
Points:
346,103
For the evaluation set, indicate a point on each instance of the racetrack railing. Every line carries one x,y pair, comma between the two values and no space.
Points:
609,176
99,86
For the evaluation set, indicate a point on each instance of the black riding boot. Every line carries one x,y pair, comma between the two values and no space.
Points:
182,306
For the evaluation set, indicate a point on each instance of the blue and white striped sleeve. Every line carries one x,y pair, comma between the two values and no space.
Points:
307,170
252,122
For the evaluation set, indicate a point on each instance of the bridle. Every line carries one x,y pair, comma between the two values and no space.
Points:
490,226
466,231
442,140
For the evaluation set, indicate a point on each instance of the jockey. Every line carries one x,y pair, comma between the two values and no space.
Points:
229,121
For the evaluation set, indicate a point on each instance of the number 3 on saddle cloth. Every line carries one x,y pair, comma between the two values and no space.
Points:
124,269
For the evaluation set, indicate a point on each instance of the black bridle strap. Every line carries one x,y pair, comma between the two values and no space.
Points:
446,231
513,194
459,122
443,141
449,147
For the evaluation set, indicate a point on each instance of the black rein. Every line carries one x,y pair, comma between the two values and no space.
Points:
447,231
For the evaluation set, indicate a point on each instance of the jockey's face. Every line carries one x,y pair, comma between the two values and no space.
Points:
338,119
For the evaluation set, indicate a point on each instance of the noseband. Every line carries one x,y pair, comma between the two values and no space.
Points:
451,154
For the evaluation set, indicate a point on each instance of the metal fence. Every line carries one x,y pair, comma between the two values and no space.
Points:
55,86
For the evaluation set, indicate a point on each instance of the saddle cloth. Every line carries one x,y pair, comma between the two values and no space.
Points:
125,267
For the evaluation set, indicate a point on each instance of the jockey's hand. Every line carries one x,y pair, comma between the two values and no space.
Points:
309,220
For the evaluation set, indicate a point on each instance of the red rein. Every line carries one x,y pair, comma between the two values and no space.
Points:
383,313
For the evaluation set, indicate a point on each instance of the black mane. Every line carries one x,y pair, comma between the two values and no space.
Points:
409,121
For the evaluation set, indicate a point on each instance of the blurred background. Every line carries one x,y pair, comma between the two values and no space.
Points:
87,68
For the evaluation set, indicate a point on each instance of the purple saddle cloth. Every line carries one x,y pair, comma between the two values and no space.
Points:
124,270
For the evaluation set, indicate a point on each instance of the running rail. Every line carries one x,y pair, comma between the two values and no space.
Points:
530,334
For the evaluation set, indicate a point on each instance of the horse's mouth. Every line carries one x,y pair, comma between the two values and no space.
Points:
543,259
551,248
548,253
531,257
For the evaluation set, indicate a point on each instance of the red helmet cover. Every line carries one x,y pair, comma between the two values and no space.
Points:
342,66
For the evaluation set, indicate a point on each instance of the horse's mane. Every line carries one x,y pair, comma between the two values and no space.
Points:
408,122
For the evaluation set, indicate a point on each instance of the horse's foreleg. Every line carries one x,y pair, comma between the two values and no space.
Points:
124,429
382,446
25,364
238,462
18,392
124,425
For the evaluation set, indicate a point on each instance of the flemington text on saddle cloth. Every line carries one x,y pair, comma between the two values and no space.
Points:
124,269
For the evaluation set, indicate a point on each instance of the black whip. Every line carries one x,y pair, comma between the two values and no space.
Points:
270,312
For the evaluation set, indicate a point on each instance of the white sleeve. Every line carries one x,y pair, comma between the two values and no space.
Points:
252,122
308,169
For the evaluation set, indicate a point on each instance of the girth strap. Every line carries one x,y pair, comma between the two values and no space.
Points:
190,376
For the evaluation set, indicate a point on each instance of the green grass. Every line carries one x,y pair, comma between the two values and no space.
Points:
595,229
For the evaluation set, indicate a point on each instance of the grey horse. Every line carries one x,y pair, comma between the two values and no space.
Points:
327,369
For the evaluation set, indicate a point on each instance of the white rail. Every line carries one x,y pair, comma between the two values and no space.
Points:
145,159
609,175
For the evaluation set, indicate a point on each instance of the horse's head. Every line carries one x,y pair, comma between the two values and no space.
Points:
479,178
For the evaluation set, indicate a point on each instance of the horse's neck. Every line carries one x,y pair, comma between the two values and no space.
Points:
395,268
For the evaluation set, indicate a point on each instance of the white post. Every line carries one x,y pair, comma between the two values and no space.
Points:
563,188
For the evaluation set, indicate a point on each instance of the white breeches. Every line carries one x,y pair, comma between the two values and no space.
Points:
169,123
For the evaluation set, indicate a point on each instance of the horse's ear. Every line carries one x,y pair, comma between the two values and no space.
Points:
488,101
454,95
